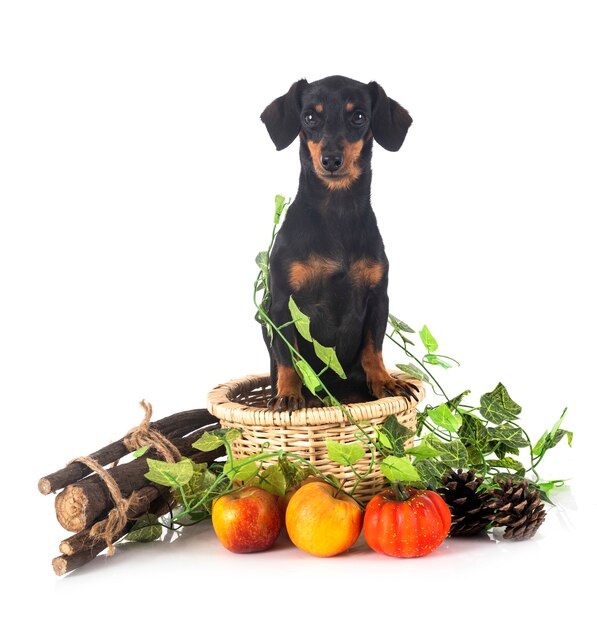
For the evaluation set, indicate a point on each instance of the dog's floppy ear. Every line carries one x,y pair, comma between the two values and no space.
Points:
389,121
282,116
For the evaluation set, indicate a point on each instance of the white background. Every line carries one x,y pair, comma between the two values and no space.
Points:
136,187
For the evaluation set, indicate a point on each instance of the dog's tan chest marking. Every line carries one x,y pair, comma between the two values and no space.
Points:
367,272
314,268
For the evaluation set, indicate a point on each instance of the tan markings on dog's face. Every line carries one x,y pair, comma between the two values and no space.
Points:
319,107
349,106
347,174
367,272
315,150
301,273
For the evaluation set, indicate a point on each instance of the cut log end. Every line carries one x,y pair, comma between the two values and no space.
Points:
66,548
44,486
60,565
71,508
67,563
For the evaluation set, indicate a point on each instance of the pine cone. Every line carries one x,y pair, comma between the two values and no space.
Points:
466,502
516,506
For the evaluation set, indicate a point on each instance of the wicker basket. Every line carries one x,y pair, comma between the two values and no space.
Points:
242,404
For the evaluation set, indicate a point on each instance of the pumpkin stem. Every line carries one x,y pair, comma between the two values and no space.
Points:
401,491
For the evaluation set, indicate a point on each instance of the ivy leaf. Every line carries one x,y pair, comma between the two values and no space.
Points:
475,458
508,463
344,453
308,376
272,479
423,451
431,472
280,204
383,439
170,474
301,321
444,418
539,447
548,486
141,451
243,469
399,468
201,482
396,430
329,357
455,402
398,325
294,473
262,260
428,339
452,453
435,360
259,286
146,529
414,371
213,439
473,430
551,438
511,435
393,435
502,449
497,406
548,441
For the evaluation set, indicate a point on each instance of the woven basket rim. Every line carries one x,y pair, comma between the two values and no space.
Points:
220,403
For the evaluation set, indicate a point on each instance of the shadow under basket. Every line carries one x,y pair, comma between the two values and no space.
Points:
242,404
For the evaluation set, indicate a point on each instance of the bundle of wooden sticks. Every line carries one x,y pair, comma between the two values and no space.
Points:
100,504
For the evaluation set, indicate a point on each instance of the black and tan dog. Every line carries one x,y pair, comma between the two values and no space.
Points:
329,254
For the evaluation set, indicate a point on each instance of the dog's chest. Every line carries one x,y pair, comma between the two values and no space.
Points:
318,270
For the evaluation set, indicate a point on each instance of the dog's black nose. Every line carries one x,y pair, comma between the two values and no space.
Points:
331,161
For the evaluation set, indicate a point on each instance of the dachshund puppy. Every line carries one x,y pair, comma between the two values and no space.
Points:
329,254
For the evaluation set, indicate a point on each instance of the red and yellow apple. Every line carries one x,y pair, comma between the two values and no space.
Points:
323,521
248,520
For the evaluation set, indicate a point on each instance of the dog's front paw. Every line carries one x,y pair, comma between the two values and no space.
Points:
290,403
381,388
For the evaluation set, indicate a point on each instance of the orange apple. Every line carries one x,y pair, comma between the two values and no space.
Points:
248,520
285,499
323,521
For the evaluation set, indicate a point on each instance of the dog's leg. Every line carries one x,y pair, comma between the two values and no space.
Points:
379,380
286,384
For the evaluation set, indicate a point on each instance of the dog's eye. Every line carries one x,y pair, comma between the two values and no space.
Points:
358,118
311,119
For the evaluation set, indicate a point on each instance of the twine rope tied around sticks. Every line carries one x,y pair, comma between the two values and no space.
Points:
107,528
141,435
